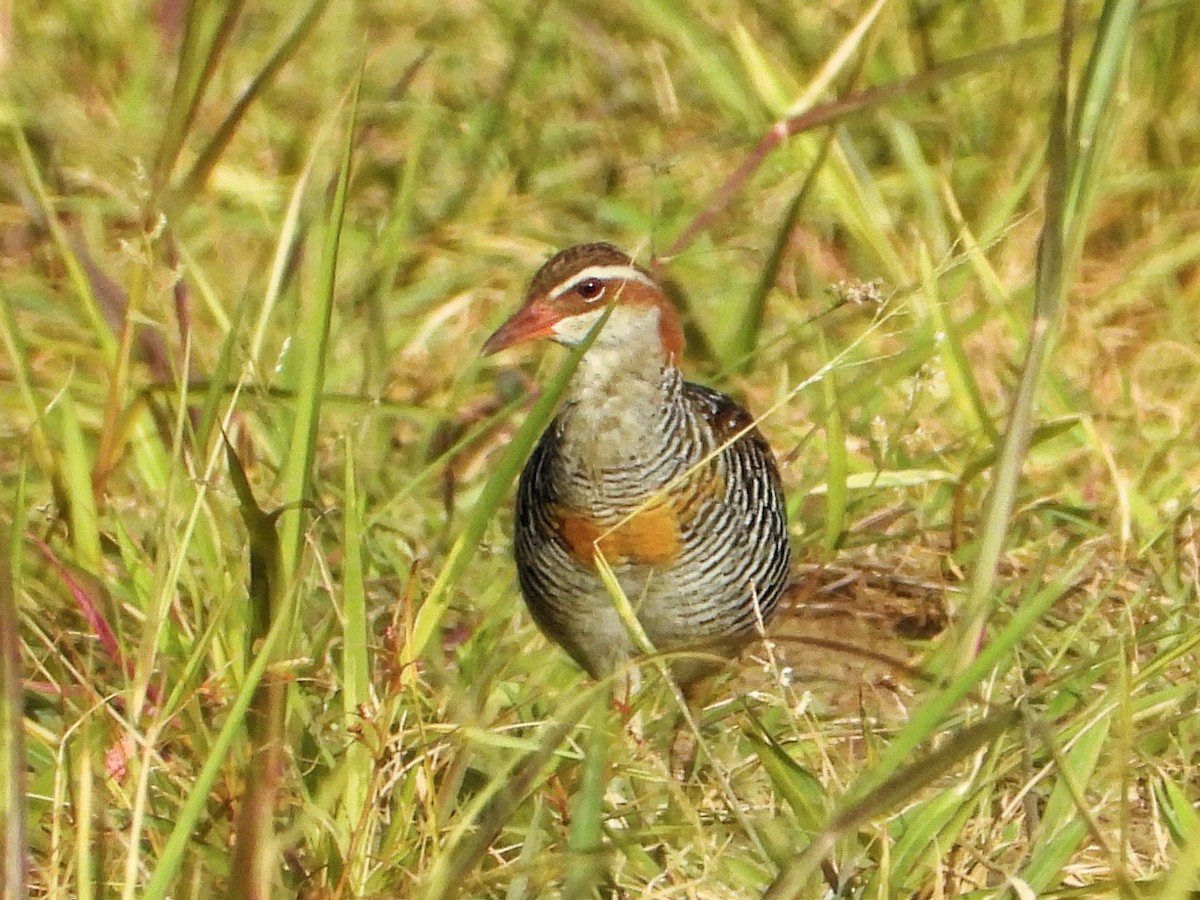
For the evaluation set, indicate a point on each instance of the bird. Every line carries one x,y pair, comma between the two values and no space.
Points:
671,482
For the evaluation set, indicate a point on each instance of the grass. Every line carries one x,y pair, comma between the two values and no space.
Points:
259,623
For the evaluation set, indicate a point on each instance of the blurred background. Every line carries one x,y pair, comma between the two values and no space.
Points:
262,624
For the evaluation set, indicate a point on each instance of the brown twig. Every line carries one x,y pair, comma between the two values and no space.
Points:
833,112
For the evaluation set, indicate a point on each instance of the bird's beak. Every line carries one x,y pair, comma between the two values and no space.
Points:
532,321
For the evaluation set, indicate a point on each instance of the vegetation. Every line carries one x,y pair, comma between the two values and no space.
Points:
259,622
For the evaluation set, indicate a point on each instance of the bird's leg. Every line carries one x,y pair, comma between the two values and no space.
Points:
685,742
625,688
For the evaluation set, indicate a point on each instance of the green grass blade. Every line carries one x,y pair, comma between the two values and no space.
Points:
356,673
22,374
77,469
1183,879
852,45
14,845
964,389
206,33
1065,820
510,463
44,210
1050,277
1092,126
750,323
313,352
495,111
255,865
86,747
217,144
929,827
837,469
288,245
518,888
801,790
221,376
585,870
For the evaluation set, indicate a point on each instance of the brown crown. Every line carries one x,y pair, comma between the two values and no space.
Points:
567,262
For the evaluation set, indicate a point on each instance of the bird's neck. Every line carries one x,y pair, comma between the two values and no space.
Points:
616,403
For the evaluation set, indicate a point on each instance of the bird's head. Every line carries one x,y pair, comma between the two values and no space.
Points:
570,293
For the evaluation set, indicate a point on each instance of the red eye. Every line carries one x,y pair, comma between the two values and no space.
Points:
590,289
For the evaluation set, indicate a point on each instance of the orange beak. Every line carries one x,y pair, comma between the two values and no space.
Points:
530,322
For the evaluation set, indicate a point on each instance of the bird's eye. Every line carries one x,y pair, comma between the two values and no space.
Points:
591,289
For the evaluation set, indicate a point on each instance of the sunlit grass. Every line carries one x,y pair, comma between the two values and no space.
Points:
292,231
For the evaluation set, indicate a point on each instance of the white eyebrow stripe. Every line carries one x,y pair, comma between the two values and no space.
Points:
602,273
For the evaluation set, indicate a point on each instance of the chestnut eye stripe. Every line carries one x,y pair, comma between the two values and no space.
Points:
601,274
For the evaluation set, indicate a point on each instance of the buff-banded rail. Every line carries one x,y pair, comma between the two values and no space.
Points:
669,481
